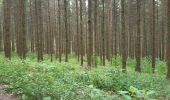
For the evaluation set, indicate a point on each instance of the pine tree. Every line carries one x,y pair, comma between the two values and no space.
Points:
22,30
66,31
168,42
123,41
90,34
153,38
39,29
138,42
6,29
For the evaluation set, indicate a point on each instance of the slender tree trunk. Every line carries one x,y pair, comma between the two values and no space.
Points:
114,29
95,29
59,30
77,29
39,29
90,34
145,45
153,39
1,35
123,41
31,28
138,38
66,31
49,33
103,33
22,30
81,32
168,41
6,29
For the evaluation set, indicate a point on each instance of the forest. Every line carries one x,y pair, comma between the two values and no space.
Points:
84,49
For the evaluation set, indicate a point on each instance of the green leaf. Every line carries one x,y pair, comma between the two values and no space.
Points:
47,98
138,93
90,86
24,97
132,89
127,97
150,93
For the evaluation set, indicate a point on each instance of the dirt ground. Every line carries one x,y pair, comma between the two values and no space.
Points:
6,96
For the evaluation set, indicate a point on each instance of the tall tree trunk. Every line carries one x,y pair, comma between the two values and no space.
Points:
49,28
1,35
123,41
32,27
81,32
145,45
6,29
59,31
90,34
138,38
103,32
77,31
153,38
95,29
22,30
39,29
114,29
66,31
168,42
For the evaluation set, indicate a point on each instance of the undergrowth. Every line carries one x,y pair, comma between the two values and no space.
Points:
46,80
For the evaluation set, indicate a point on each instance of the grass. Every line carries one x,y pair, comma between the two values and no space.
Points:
46,80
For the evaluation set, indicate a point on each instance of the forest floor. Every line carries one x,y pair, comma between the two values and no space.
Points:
6,96
31,80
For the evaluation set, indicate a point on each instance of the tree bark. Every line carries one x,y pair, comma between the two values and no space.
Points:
6,29
66,31
138,38
81,32
123,34
168,42
90,34
153,38
39,29
22,30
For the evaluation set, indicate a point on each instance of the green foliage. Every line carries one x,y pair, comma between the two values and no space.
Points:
96,60
47,80
146,65
116,61
137,94
47,98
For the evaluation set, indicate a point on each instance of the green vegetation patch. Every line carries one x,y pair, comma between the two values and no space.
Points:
47,80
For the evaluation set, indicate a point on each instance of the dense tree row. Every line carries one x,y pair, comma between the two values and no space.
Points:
88,28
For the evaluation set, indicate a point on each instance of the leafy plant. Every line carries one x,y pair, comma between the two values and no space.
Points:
135,93
30,80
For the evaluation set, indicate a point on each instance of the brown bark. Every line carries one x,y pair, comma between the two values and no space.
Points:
6,29
77,31
90,34
59,31
123,35
168,41
96,29
138,38
145,45
81,32
22,30
103,33
39,28
1,35
153,38
49,32
66,31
